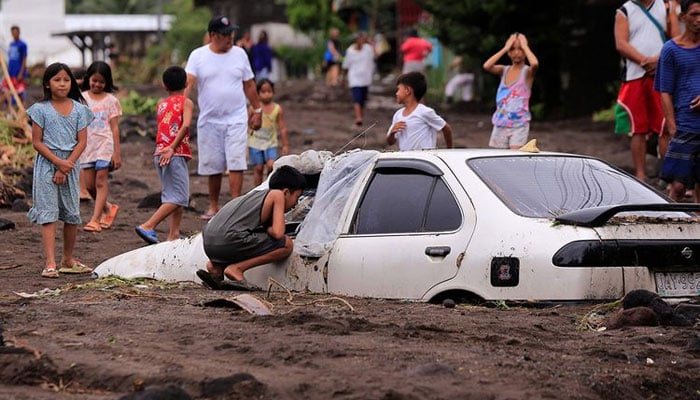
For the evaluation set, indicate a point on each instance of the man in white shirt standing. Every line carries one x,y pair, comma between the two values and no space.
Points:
225,79
359,61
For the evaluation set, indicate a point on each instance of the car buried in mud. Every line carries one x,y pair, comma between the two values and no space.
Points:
467,224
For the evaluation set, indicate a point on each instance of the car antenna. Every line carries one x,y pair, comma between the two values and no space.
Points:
355,138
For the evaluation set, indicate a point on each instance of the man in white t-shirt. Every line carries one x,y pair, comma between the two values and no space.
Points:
225,79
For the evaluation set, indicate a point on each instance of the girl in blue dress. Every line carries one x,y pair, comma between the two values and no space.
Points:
59,135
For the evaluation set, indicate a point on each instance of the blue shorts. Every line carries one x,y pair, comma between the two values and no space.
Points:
257,156
175,180
97,165
359,95
682,160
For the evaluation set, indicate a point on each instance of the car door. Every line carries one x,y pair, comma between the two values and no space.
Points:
407,233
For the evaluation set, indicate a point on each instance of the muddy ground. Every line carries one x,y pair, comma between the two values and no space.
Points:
86,339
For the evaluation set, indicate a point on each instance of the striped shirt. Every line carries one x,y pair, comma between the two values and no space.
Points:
678,73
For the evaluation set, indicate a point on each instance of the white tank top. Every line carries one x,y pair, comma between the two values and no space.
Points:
644,35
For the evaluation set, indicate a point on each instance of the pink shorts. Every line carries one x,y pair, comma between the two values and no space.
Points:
643,105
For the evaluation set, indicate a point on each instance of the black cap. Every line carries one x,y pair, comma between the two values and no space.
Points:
221,25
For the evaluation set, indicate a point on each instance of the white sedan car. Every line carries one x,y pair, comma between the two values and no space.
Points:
468,224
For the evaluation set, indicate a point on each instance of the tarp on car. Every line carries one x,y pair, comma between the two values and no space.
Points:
338,178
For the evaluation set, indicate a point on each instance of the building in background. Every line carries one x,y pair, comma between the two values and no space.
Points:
38,20
77,40
107,37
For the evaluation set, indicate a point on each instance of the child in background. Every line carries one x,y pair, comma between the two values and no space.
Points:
359,61
174,115
262,143
511,121
79,75
59,135
102,152
415,126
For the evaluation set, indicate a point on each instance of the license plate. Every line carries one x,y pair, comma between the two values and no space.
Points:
677,283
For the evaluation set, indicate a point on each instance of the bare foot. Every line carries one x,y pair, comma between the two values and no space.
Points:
216,270
234,273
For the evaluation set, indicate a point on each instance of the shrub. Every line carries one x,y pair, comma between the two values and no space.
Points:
136,104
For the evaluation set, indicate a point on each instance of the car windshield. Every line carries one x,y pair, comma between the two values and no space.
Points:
547,186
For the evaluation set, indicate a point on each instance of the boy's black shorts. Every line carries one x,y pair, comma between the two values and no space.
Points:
226,254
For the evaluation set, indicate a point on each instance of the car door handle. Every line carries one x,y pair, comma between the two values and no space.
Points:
438,251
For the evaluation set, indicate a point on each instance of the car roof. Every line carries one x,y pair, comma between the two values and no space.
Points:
460,155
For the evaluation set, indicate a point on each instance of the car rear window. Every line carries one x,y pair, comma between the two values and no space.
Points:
547,186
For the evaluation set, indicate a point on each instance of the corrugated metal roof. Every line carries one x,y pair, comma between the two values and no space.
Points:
116,23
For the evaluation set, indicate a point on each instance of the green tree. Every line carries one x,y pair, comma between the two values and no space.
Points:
469,27
572,40
187,30
310,16
186,33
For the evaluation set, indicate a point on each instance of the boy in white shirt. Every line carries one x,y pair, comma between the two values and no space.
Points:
415,126
359,61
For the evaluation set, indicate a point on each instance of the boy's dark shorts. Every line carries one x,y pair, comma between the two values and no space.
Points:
231,253
359,95
682,160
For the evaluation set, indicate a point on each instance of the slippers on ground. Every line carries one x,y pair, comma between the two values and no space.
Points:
76,268
209,280
108,219
92,227
50,271
149,237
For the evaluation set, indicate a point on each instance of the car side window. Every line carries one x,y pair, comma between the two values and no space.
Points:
400,200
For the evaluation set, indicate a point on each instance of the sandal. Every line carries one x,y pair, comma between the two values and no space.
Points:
50,271
209,280
149,237
76,268
107,220
92,227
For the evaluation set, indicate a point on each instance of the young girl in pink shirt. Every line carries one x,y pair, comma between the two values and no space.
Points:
102,152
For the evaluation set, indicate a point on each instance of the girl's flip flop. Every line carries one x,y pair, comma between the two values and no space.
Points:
108,219
92,227
76,268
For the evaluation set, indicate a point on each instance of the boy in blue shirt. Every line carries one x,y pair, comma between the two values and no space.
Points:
16,66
